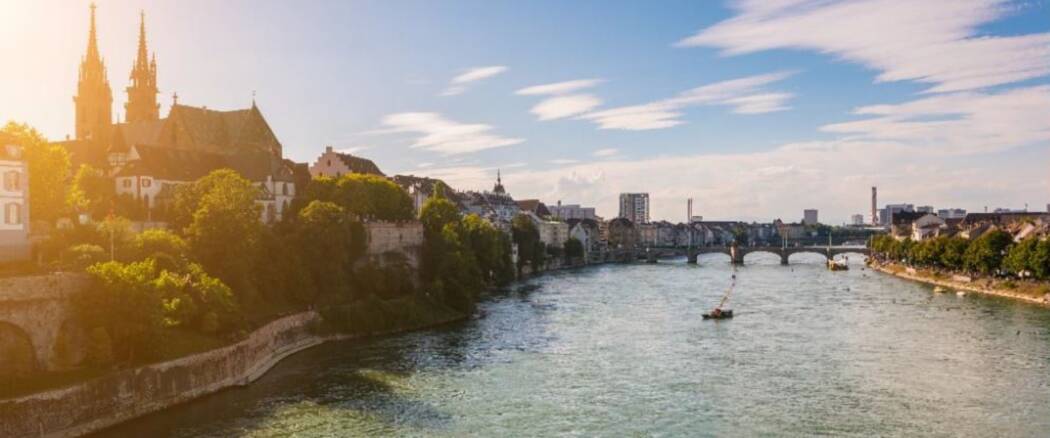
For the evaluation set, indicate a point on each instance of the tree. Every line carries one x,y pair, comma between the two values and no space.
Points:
92,193
124,301
329,244
527,237
224,227
985,254
156,241
954,253
1018,260
1039,260
48,172
437,212
573,249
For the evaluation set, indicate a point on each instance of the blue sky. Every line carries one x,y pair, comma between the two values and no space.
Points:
757,109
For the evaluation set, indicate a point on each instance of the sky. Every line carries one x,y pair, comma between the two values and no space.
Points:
756,109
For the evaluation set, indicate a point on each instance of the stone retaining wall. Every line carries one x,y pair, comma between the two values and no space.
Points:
118,397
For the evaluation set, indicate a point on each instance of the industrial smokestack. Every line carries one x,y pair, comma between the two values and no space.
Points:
874,208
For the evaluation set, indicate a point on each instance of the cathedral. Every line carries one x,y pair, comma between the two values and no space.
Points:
148,156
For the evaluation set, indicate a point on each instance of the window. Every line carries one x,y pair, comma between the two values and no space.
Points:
127,183
284,188
13,214
12,181
329,163
146,182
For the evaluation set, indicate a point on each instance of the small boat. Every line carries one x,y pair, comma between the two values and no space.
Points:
723,314
834,265
718,312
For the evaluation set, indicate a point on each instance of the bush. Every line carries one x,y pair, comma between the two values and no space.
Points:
79,257
152,242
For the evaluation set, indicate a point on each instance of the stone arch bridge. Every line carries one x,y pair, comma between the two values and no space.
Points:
36,328
737,253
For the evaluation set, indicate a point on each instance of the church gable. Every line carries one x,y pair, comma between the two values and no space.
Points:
224,132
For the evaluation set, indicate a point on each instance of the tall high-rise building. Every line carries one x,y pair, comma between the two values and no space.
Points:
635,207
94,100
809,216
142,103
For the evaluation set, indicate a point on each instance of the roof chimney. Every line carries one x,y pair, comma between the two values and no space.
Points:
327,149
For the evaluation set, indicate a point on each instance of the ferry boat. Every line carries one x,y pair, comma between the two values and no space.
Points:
835,265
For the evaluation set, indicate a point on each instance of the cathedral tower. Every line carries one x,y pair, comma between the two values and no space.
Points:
142,93
94,99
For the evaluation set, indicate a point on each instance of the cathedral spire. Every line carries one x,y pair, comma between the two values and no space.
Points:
92,48
142,93
94,99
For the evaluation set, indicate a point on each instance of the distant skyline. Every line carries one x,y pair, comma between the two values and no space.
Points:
756,109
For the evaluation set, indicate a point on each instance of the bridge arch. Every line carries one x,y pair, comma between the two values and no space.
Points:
813,253
17,355
763,253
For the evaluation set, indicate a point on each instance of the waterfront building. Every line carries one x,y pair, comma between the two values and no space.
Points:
588,233
927,226
635,207
421,188
497,205
14,201
809,217
334,164
553,234
571,211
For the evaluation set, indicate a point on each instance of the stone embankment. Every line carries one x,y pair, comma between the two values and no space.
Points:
958,283
126,394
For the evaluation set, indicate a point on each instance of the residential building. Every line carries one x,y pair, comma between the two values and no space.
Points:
497,205
951,213
536,207
421,188
925,209
635,207
14,202
809,217
334,164
857,220
571,211
927,226
588,233
902,223
553,234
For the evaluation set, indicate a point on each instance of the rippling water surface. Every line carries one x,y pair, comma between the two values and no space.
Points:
622,351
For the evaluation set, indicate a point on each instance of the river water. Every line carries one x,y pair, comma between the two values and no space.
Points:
622,351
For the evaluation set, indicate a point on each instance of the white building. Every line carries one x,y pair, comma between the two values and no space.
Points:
809,216
552,233
14,203
571,211
635,207
951,213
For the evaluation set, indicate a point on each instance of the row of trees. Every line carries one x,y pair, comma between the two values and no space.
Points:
994,252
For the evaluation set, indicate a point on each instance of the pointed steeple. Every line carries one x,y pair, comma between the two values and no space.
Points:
94,99
142,93
499,184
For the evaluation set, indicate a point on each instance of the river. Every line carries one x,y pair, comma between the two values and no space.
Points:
622,351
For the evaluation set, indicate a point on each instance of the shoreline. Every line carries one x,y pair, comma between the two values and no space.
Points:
957,285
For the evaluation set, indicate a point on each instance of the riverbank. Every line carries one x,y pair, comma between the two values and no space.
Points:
114,398
957,283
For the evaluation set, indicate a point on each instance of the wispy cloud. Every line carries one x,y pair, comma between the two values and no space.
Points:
607,152
459,83
563,161
930,41
353,149
562,104
442,135
957,123
558,87
743,95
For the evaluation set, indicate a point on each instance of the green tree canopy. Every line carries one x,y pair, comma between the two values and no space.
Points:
985,254
48,172
93,193
330,241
